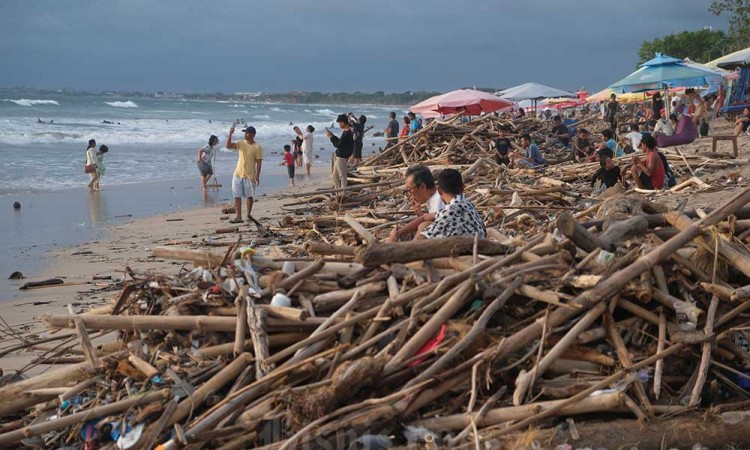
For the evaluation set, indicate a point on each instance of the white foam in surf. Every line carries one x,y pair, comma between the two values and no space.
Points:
127,104
29,102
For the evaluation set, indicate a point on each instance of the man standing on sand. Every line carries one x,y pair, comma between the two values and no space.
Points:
344,149
247,174
421,189
391,131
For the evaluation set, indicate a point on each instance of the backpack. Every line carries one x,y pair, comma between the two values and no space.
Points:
669,177
703,129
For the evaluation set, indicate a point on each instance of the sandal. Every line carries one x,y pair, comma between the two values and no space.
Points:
235,220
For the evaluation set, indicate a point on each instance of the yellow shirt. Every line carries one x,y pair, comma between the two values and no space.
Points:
248,155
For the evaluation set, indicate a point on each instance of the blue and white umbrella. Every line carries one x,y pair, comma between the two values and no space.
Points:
664,72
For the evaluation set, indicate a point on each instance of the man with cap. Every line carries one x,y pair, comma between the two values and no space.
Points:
344,149
246,176
662,127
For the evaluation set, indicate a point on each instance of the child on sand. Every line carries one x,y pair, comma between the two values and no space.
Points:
289,163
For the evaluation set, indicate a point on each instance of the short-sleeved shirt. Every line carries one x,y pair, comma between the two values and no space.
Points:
635,139
413,126
560,130
393,128
307,143
502,145
582,143
458,218
612,109
288,159
208,153
435,203
248,154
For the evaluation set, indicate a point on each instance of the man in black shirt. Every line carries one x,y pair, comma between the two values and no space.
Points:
609,174
560,133
612,108
344,149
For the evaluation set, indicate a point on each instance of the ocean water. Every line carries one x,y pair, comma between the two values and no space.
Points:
150,140
150,167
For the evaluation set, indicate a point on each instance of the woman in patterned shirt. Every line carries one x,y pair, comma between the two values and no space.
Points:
458,217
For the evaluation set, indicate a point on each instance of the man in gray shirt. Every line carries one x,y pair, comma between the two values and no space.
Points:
391,131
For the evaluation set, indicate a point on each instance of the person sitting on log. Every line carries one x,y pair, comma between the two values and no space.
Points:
609,173
459,217
583,149
648,174
560,133
743,123
420,187
608,142
502,146
532,157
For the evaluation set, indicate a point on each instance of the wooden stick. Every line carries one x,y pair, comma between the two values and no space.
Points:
524,379
479,327
206,323
625,361
240,331
431,327
659,368
363,232
256,320
403,252
695,395
84,340
225,376
152,433
197,257
145,368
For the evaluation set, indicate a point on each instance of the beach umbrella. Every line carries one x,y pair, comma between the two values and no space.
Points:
663,72
533,91
468,101
740,58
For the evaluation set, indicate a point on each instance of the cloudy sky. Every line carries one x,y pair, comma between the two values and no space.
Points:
365,45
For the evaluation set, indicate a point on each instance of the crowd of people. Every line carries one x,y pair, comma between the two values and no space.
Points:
437,200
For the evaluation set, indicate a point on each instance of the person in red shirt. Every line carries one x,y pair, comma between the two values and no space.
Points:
648,174
289,163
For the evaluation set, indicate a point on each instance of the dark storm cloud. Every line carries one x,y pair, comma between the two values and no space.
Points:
227,45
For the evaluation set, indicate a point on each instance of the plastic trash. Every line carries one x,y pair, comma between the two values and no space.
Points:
687,315
604,257
280,299
131,437
288,269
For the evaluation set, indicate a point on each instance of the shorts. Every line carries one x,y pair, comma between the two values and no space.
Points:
358,149
205,168
290,171
243,187
646,180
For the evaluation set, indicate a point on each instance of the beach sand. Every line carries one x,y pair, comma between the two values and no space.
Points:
129,244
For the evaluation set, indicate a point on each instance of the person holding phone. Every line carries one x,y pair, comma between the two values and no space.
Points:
246,176
344,148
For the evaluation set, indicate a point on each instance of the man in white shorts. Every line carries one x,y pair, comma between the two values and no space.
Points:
247,174
421,189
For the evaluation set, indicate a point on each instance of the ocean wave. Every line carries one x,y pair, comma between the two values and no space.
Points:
127,104
326,112
262,116
29,102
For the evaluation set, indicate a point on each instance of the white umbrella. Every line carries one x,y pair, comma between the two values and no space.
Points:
533,91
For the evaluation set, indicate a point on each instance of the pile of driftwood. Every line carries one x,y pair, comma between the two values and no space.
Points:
581,320
626,335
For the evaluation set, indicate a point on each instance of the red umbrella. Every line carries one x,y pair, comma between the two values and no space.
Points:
468,101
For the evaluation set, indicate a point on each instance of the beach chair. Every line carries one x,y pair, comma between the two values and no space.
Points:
686,133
